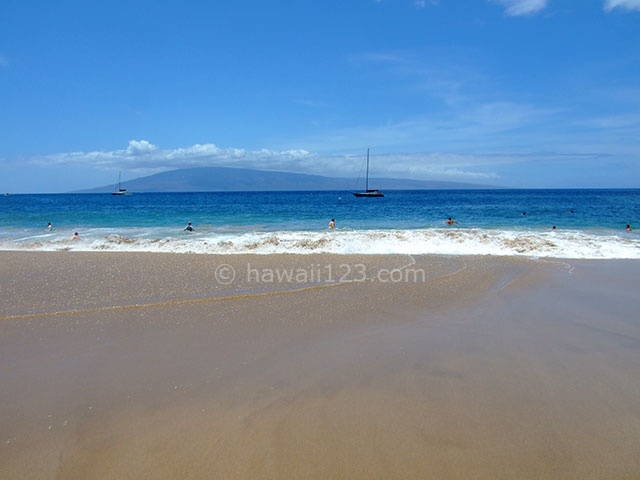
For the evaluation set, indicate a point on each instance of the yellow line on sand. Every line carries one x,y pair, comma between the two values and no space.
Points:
166,303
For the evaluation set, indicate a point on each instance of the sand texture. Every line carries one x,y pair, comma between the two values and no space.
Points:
127,365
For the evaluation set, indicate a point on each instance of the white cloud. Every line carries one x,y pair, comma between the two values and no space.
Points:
522,7
143,158
419,4
140,147
625,4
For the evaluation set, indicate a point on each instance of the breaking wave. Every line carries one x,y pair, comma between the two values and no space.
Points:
558,244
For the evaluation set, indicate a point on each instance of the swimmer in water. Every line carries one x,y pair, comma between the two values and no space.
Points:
75,236
49,227
332,223
189,228
628,227
451,222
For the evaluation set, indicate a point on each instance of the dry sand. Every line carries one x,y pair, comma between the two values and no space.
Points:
145,366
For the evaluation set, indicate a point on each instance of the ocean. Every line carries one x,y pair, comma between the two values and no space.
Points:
589,223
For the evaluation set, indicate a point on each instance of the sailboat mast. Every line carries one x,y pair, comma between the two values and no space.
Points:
119,175
367,181
367,192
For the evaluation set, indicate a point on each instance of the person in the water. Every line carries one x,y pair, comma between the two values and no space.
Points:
628,227
49,227
332,223
451,221
189,228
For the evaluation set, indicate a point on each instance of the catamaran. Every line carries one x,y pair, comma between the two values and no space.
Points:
368,192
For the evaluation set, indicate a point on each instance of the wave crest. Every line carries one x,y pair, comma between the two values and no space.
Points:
564,244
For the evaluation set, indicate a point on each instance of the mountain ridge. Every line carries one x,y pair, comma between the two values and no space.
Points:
231,179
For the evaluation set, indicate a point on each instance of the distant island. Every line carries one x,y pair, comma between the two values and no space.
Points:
228,179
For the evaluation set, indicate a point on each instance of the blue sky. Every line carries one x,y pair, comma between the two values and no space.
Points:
520,93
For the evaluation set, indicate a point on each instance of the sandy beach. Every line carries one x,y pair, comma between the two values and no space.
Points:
143,365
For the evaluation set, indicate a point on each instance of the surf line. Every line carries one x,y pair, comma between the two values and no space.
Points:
169,303
177,302
195,301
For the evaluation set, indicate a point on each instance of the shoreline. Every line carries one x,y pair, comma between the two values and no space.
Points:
533,243
492,367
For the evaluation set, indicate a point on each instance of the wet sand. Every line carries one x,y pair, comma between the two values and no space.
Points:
116,365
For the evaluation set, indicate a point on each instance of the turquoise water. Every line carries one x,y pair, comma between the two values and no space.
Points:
272,211
244,218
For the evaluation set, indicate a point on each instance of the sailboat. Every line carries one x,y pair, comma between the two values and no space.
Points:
367,192
120,191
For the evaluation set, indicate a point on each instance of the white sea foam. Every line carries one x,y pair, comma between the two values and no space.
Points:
559,244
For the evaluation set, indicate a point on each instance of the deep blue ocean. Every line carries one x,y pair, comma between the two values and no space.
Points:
231,221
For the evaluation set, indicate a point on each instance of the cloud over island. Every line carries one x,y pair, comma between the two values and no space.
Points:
142,157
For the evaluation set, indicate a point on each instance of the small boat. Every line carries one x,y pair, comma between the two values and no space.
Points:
120,191
368,192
